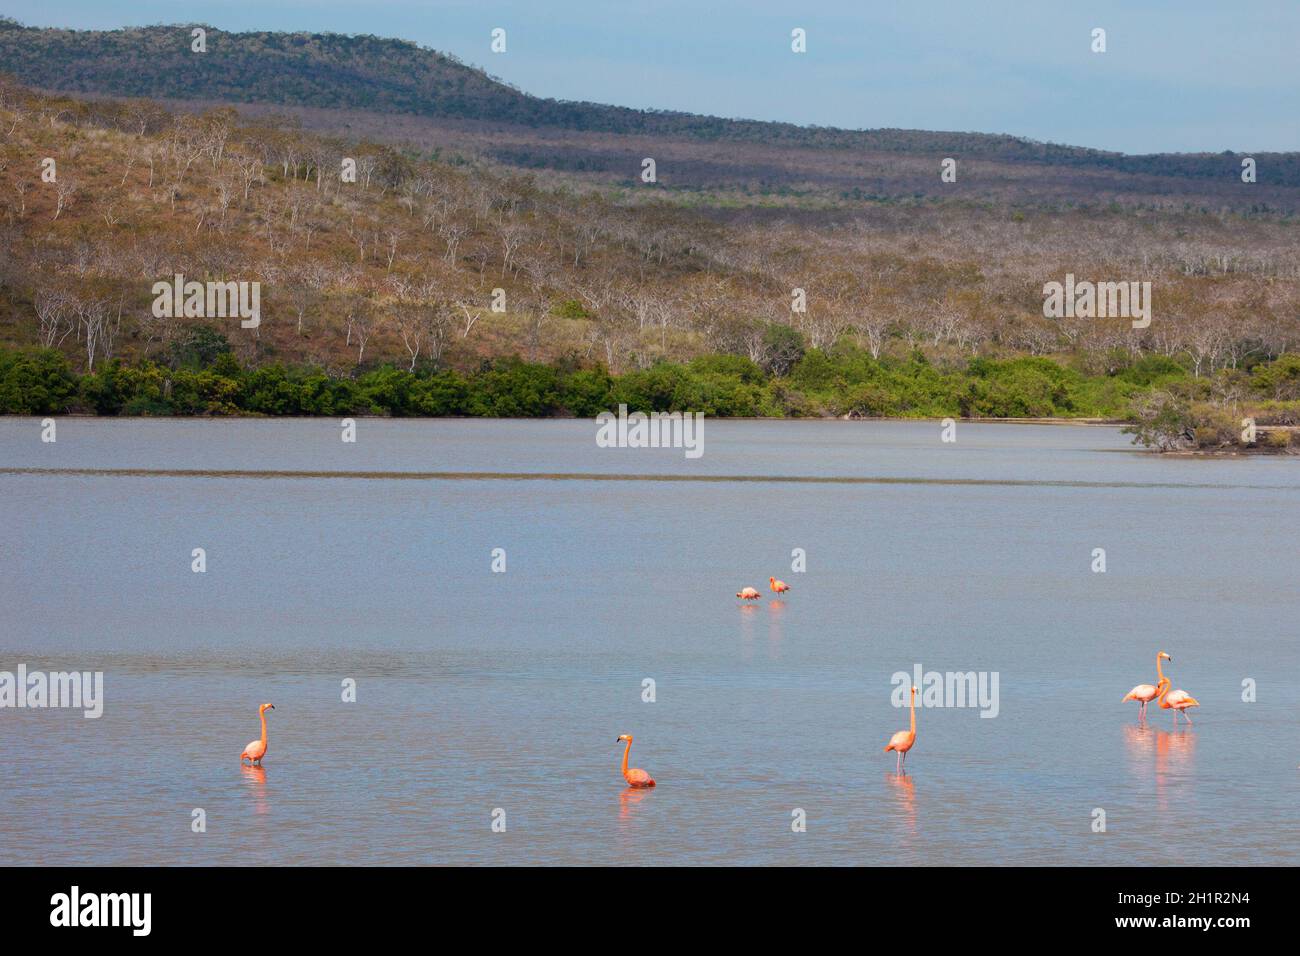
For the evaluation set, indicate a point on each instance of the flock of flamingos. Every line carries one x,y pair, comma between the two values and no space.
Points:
1176,700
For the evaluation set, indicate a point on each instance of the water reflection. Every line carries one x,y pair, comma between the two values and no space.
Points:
1174,751
775,633
1171,752
255,783
1138,738
747,613
628,800
904,789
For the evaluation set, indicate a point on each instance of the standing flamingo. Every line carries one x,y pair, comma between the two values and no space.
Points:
903,740
749,594
1178,701
1145,693
256,750
780,587
634,777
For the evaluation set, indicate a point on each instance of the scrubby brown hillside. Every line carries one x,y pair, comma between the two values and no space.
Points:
402,265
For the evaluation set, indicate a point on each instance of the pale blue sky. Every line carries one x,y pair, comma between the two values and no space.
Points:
1178,75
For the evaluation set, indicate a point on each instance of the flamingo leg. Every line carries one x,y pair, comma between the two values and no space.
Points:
898,763
1189,717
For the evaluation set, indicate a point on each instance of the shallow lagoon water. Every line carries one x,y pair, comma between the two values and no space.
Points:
479,690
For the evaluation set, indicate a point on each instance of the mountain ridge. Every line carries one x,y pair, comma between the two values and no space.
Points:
364,71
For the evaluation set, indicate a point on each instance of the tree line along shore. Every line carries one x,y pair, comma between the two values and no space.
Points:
1165,405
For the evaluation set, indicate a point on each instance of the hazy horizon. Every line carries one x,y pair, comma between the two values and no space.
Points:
1174,78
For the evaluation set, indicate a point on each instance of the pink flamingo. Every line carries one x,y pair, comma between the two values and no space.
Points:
1145,693
748,594
634,777
780,587
903,740
256,750
1178,701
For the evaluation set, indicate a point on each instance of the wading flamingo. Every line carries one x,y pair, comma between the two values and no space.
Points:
749,594
1145,693
1178,701
634,777
903,740
256,750
780,587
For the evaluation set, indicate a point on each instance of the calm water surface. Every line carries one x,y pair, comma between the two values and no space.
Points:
479,690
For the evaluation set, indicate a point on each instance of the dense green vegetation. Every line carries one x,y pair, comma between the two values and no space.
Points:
201,376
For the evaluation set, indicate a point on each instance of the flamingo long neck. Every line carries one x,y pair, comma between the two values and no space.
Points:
262,714
626,750
1159,671
1163,687
913,707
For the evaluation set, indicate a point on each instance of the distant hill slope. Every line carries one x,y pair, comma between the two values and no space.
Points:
324,70
335,71
369,74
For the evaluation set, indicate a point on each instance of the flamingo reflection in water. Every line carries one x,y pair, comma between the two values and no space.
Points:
1173,751
255,779
905,788
628,799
